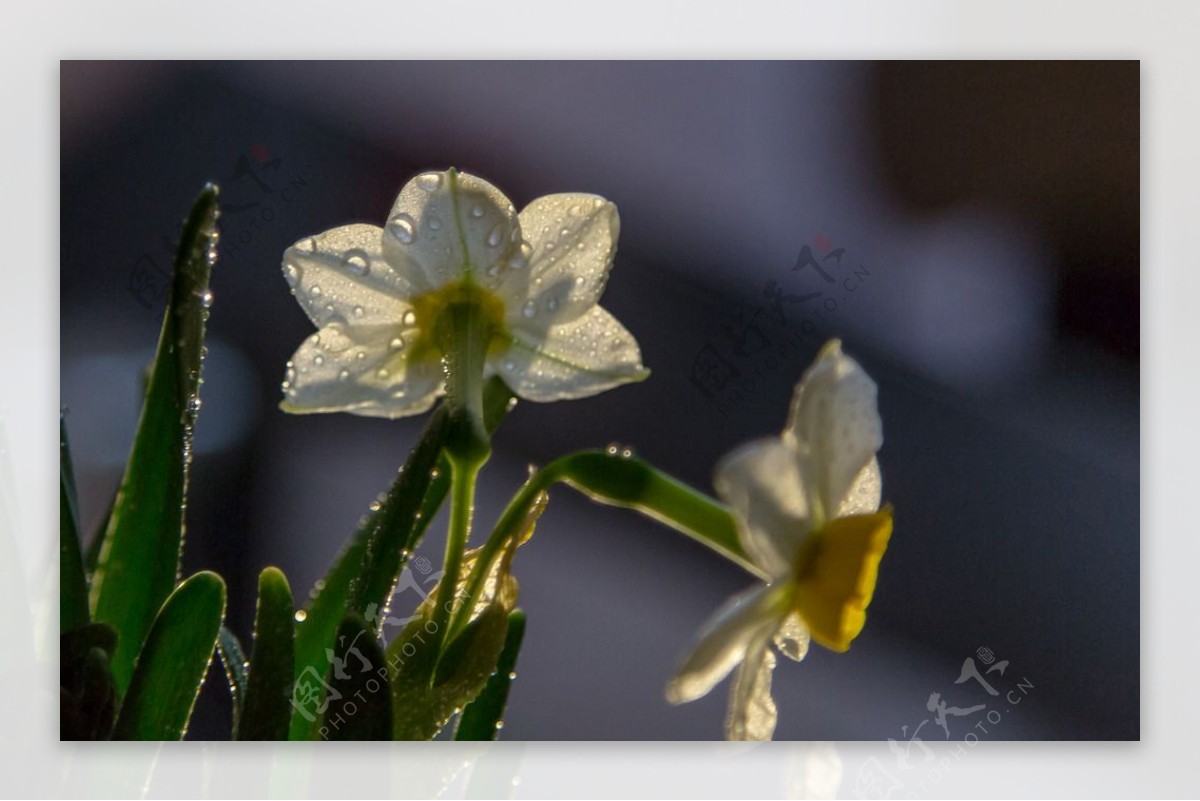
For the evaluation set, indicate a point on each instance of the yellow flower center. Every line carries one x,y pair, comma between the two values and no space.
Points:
834,576
432,318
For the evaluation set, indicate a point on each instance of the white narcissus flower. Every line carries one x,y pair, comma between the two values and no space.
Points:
378,295
807,510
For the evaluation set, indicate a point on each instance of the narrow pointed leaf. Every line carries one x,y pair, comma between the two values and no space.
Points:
95,543
267,708
173,662
233,659
484,717
73,592
365,573
139,562
360,701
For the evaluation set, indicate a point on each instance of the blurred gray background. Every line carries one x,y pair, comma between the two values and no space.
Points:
972,229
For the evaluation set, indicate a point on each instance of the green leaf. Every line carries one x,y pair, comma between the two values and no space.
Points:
484,717
428,689
87,695
360,701
91,555
173,662
233,659
139,562
365,573
267,708
73,591
627,481
422,702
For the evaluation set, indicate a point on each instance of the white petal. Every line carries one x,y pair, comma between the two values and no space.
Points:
761,482
752,712
865,492
448,224
573,238
748,617
575,360
341,275
359,370
793,638
834,425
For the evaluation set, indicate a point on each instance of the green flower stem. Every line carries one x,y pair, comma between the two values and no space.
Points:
463,474
618,480
465,337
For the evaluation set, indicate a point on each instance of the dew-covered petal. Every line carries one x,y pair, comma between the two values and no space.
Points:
749,617
761,482
341,276
571,242
834,426
793,638
575,360
448,224
752,712
362,370
865,492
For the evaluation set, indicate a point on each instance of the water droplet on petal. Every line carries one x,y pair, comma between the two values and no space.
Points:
291,274
496,236
429,181
301,615
357,262
434,222
314,291
409,318
362,354
397,343
522,257
382,374
344,375
206,298
552,304
318,360
529,309
477,211
358,311
402,228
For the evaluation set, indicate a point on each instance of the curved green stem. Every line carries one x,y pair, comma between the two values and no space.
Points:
617,480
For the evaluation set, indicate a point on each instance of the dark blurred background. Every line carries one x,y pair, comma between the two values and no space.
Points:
969,229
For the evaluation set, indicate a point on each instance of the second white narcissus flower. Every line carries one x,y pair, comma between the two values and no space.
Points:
807,511
531,280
